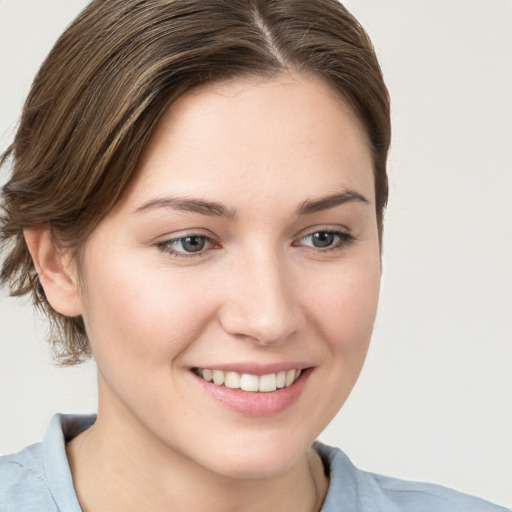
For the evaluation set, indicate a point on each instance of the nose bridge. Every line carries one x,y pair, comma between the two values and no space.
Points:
260,302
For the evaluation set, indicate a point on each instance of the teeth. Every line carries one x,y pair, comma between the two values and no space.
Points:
218,377
232,380
208,375
290,377
249,382
281,380
267,383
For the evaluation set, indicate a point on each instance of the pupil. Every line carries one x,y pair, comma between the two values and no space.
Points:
193,243
323,239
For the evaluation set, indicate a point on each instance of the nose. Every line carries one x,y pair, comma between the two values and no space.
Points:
261,304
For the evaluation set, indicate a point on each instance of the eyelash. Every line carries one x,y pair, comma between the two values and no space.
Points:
166,246
345,239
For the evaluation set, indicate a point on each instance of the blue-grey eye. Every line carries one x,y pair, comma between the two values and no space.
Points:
323,239
192,243
327,239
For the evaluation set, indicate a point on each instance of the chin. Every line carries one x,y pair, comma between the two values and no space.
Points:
243,467
257,459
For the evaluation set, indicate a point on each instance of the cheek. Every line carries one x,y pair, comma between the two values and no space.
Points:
343,304
136,314
345,307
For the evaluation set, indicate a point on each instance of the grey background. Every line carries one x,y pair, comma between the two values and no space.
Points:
434,401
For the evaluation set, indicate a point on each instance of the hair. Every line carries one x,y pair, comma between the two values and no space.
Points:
109,78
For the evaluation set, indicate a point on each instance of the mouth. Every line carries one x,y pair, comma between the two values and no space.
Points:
248,381
253,394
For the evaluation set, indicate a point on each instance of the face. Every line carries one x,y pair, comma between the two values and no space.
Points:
245,251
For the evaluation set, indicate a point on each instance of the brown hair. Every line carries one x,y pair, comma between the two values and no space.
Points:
108,80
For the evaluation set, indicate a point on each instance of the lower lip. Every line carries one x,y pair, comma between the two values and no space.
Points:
256,403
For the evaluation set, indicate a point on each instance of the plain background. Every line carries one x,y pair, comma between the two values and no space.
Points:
434,401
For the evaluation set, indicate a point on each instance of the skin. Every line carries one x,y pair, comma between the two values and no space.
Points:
260,291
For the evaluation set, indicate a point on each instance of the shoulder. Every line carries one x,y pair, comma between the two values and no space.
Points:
427,497
23,484
38,477
366,492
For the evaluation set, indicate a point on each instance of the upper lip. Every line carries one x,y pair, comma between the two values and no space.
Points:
257,368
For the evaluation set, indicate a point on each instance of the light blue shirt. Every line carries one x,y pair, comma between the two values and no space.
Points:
38,479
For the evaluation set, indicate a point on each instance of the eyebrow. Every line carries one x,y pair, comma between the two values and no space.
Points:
325,203
215,209
200,206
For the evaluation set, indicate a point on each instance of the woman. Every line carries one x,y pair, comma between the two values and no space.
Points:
197,200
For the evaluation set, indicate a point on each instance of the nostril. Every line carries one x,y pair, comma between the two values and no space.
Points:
260,305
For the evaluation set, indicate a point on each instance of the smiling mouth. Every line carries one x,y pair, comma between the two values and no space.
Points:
247,381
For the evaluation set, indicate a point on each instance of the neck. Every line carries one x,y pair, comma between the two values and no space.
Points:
116,467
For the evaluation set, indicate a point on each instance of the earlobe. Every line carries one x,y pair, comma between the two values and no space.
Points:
57,273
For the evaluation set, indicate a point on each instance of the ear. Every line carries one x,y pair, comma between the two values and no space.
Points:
57,272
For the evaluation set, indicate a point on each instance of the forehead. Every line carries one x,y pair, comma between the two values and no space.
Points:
259,137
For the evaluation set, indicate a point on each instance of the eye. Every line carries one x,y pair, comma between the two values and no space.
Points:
327,239
186,246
